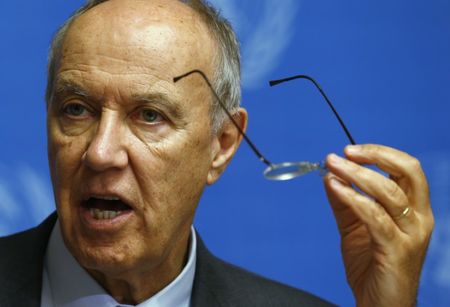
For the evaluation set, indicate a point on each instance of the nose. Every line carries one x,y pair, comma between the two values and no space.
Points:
107,150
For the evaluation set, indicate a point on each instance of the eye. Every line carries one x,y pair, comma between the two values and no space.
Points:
75,110
151,116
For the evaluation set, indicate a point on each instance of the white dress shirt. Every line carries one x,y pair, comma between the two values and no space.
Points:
66,284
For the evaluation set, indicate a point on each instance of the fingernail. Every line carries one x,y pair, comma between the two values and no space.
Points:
335,159
335,183
352,149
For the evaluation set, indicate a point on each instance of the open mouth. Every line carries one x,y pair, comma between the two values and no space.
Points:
106,208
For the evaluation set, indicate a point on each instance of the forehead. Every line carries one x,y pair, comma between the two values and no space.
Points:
160,38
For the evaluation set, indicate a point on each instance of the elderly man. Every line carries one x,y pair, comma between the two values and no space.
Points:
131,151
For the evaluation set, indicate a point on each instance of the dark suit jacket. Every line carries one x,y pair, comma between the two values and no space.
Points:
216,283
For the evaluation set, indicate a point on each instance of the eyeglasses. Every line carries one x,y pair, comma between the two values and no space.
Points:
284,170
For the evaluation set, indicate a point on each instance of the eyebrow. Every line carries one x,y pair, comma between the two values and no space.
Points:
70,87
160,99
65,86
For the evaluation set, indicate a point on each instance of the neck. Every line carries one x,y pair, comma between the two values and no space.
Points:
136,286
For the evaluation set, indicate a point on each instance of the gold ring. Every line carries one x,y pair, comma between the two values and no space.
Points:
403,214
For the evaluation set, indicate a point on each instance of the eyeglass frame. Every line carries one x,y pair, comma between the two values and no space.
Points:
299,168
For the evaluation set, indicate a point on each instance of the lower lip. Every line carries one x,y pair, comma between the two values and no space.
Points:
110,225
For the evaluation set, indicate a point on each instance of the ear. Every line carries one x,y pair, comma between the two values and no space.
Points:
226,143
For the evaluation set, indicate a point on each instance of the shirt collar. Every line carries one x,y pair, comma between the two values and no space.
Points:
69,285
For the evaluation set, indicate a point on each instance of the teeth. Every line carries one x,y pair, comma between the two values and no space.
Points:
99,214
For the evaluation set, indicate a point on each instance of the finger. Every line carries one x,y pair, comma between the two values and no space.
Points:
379,224
403,168
346,220
384,190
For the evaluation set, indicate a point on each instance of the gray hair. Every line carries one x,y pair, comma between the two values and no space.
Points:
226,79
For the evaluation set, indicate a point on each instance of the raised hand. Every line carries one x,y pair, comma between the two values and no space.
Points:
385,222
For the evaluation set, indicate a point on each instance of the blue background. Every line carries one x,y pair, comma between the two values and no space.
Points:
386,66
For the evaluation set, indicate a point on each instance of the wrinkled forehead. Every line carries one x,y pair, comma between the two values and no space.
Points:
134,29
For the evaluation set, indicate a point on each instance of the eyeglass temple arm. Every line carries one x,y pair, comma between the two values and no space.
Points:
276,82
246,138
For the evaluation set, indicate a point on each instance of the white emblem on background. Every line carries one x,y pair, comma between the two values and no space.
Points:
25,198
265,29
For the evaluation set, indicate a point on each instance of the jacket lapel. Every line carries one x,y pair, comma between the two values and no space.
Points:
208,286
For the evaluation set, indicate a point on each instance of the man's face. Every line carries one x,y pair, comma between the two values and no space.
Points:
129,150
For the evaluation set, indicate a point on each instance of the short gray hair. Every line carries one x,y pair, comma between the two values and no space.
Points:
226,80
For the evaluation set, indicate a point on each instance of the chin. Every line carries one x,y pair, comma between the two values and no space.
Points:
107,260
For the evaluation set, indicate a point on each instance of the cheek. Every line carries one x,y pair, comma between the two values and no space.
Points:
64,154
176,172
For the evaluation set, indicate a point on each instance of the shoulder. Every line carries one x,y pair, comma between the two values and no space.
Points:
27,241
224,284
24,250
21,261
